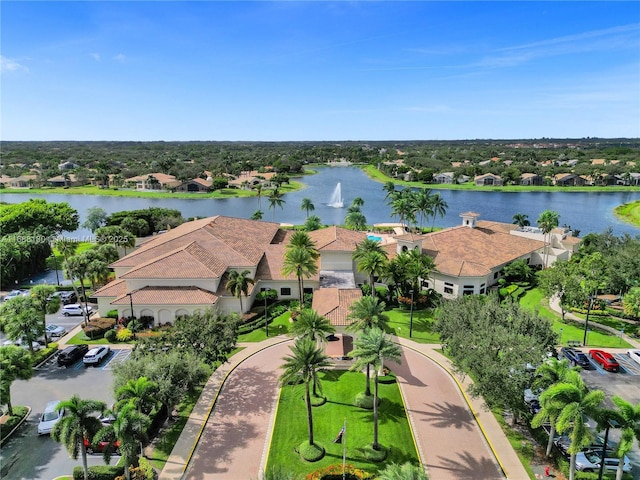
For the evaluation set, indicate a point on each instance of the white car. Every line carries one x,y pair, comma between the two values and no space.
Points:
634,355
20,343
56,331
589,461
16,293
96,355
75,309
50,417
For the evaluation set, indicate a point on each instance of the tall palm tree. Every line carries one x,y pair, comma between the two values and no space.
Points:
22,320
79,422
310,324
366,246
419,266
367,313
573,402
438,208
15,363
423,204
257,215
405,471
628,417
389,187
275,200
547,374
259,194
547,221
238,284
39,297
356,221
307,205
372,348
521,219
130,427
140,392
373,263
304,363
303,240
299,261
357,202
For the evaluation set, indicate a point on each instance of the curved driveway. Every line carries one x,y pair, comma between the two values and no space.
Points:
234,439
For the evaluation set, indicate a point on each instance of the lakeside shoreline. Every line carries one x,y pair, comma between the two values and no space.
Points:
629,213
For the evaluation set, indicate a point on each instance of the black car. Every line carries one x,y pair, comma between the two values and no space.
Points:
65,297
576,357
72,354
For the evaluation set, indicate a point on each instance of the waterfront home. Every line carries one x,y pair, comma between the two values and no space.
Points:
531,179
488,179
196,185
569,180
153,181
66,180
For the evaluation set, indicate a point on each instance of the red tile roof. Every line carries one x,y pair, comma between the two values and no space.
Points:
334,304
168,296
337,238
112,289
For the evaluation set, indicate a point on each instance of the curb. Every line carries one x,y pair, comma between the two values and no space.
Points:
24,419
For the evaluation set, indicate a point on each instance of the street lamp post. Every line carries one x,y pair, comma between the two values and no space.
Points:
133,317
411,317
55,267
266,315
586,320
610,423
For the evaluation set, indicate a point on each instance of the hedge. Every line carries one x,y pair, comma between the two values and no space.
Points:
99,472
97,327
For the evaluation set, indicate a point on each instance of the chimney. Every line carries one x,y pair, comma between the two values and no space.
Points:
469,219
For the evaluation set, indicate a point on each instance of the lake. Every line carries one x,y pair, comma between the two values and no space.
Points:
587,212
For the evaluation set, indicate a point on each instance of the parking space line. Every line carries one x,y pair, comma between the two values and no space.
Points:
120,355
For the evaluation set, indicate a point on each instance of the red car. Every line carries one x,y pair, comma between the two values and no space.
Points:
605,360
101,446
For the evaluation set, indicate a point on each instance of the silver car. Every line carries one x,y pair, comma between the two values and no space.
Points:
589,461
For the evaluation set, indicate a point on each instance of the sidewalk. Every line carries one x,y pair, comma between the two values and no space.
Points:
554,304
496,439
186,444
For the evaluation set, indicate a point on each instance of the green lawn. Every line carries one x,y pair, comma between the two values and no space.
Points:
280,325
533,299
629,212
80,338
399,322
340,389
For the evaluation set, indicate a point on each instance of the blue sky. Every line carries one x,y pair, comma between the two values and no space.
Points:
272,71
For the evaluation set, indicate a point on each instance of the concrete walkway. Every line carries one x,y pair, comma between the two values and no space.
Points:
457,438
554,304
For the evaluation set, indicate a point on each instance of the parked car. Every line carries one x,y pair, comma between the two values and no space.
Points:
56,331
534,406
100,446
589,461
107,419
634,355
23,343
605,359
65,297
75,309
96,355
16,293
532,395
576,357
51,415
563,442
72,354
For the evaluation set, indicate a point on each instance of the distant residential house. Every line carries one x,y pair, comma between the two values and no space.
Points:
631,179
569,180
600,180
67,166
598,161
67,180
153,181
488,179
23,181
531,179
196,185
443,178
252,178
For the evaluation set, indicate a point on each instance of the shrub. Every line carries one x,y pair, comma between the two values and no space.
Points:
44,353
124,335
334,472
111,336
138,324
310,453
112,314
97,327
374,455
364,401
18,414
99,472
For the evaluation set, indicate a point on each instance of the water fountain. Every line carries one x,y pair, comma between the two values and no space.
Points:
336,197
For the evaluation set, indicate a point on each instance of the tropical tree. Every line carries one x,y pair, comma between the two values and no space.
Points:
405,471
301,239
521,219
115,235
573,402
238,284
628,418
40,298
355,220
78,267
423,203
419,266
299,261
307,205
79,422
130,427
257,215
22,320
631,302
357,202
389,187
372,348
547,221
313,223
310,324
96,218
304,364
275,200
140,392
373,263
15,364
438,208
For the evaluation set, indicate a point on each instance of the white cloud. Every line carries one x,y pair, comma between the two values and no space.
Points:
120,58
95,56
8,65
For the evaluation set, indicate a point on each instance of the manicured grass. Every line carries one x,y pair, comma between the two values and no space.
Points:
80,338
533,299
521,445
19,412
279,326
399,321
340,388
629,212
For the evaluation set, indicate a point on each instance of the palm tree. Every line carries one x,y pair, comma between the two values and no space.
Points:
367,313
521,219
406,471
15,363
423,204
303,240
130,427
304,363
275,200
357,202
356,221
549,373
390,188
628,417
310,324
299,261
372,348
39,296
259,194
573,402
79,422
22,320
438,208
257,215
238,284
140,392
373,263
307,205
547,221
419,266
